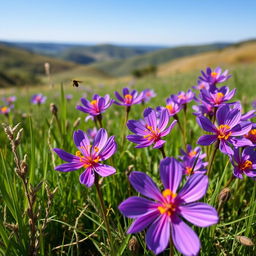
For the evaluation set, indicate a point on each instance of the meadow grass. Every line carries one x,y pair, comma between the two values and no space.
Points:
74,223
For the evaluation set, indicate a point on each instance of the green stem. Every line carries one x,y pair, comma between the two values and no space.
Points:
182,130
103,212
162,151
212,157
127,111
171,246
99,118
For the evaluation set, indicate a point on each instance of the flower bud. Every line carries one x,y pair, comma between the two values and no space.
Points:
54,109
224,195
244,240
133,245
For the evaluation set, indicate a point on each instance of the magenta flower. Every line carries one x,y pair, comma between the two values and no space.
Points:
129,98
95,107
38,99
164,215
244,162
5,110
183,97
150,130
89,156
148,95
9,100
214,76
229,131
218,96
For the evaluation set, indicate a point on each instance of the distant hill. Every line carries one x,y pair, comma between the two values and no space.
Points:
240,53
125,67
20,67
83,53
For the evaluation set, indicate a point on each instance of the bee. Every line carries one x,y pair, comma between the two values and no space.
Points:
76,83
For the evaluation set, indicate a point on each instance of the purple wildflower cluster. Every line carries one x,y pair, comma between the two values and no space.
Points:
163,213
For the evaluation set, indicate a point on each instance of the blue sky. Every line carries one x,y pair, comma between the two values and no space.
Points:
152,22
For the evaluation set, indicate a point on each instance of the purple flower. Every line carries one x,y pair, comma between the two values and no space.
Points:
172,107
164,214
91,133
250,114
251,135
218,96
129,98
89,156
214,76
150,130
9,100
229,129
97,106
183,97
244,162
38,99
193,165
5,110
203,109
69,97
191,153
201,85
148,95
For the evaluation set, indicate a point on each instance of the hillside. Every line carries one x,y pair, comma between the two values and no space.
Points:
241,53
125,67
20,67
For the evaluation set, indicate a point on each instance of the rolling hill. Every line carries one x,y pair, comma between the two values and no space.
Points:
125,67
241,53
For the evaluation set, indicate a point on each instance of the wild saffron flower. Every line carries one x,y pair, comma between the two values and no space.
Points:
9,100
229,131
5,110
129,98
218,96
150,130
95,107
203,109
164,215
69,97
38,99
172,107
214,76
201,85
251,135
183,97
148,95
89,156
244,162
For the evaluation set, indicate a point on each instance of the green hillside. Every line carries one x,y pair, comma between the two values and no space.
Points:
125,67
20,67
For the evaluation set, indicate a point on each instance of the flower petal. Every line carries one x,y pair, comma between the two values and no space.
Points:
199,214
82,142
65,156
206,140
206,124
170,173
145,185
143,221
164,119
194,189
68,167
159,144
109,149
184,238
135,206
99,142
158,234
150,117
104,170
87,177
241,129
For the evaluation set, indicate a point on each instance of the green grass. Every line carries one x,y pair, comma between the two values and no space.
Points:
75,210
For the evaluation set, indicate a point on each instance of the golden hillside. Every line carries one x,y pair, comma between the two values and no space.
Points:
237,54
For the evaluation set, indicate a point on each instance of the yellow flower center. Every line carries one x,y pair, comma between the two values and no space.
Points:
4,109
251,135
188,170
214,74
191,154
245,165
170,108
168,207
128,98
218,98
153,135
88,161
223,132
